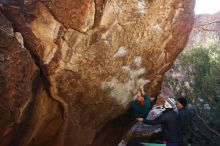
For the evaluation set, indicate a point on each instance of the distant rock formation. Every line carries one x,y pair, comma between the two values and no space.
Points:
205,27
69,69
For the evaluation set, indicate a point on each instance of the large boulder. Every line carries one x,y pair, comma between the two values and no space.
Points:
93,57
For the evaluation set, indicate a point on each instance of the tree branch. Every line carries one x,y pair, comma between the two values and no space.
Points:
205,29
204,122
218,21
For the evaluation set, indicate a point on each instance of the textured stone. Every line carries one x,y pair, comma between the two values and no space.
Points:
75,14
96,55
27,111
205,27
17,71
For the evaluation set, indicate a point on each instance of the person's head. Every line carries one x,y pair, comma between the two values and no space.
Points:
181,102
140,100
170,102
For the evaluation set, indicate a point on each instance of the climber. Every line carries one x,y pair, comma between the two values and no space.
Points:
169,121
140,106
185,120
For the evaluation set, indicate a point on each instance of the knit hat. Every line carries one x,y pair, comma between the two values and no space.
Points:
183,101
170,103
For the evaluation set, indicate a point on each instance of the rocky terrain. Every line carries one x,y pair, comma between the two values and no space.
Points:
205,26
69,69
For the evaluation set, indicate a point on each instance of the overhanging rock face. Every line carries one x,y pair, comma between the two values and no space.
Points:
93,57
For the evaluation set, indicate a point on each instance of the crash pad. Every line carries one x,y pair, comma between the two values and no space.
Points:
153,144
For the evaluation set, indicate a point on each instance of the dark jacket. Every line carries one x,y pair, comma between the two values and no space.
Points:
185,120
170,123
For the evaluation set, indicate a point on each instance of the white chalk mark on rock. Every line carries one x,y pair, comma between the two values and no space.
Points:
141,6
122,51
138,60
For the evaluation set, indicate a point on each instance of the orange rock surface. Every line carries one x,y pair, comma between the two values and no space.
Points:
93,57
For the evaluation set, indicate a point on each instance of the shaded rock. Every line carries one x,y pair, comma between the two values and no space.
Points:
27,111
96,55
17,72
45,123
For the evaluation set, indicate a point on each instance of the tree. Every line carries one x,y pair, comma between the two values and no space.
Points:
202,67
201,84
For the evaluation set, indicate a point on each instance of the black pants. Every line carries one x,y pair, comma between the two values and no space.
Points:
134,143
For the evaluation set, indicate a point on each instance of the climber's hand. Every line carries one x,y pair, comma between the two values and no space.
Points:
140,119
154,115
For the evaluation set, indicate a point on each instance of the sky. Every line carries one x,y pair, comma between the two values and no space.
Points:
207,6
